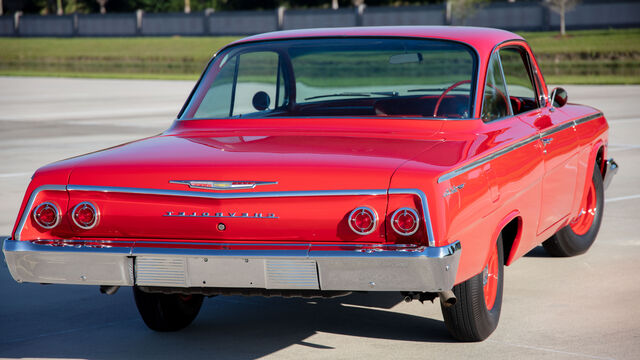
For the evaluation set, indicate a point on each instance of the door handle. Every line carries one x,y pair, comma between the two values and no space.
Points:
547,141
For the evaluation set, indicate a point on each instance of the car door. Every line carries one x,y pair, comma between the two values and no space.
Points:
555,131
515,176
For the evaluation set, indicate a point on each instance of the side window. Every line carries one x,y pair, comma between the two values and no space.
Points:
515,64
494,99
247,83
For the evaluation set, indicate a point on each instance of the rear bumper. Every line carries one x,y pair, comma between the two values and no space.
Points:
304,266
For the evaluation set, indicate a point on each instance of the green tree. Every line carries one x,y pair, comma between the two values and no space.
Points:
560,7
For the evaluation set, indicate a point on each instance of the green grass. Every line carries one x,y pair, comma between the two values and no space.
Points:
583,57
593,42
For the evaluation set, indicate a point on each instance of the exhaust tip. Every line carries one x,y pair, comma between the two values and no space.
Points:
447,298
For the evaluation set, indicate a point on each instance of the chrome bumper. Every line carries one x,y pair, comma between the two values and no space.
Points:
347,268
610,169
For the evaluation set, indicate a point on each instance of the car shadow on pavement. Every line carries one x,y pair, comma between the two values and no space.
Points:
538,252
239,328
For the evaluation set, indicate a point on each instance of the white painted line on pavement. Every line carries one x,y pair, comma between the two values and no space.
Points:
619,147
67,331
625,120
105,113
630,197
15,174
549,350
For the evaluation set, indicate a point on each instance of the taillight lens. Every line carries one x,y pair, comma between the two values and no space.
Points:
363,220
85,215
405,221
47,215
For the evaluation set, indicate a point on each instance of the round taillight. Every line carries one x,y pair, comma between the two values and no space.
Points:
405,221
363,220
85,215
47,215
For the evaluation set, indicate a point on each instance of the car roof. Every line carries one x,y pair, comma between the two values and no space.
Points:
479,37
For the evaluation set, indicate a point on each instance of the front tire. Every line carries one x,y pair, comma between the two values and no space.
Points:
577,237
167,312
476,312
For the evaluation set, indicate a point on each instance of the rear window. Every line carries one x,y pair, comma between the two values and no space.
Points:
338,77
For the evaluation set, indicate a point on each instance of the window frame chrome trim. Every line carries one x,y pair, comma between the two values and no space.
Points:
483,160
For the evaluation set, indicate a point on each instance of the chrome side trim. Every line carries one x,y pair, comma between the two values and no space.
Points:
474,164
486,159
32,199
271,194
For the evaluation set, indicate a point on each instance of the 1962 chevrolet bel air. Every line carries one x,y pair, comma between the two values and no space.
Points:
321,162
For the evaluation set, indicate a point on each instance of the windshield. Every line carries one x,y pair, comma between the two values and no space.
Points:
338,77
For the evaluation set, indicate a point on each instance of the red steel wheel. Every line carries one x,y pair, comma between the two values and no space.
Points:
577,237
583,222
476,313
490,278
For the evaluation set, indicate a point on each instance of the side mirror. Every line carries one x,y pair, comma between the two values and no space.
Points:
558,97
261,101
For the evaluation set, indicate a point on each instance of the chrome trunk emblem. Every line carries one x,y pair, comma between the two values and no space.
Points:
221,185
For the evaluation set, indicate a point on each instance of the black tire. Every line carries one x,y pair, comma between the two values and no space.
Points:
470,319
566,242
167,312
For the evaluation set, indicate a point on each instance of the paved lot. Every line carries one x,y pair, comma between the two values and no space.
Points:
583,307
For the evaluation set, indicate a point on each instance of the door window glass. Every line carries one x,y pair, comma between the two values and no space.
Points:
515,64
494,100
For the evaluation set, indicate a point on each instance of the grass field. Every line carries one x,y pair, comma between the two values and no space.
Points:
590,56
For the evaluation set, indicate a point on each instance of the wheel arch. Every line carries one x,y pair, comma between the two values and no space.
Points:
597,156
510,227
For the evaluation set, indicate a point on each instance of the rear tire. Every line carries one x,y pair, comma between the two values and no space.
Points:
476,312
577,237
167,312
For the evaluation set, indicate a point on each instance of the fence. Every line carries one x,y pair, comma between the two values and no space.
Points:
531,16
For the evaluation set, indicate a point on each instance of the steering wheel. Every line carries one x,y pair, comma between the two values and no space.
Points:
444,93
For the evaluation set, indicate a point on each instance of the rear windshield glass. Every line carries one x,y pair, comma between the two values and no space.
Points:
338,77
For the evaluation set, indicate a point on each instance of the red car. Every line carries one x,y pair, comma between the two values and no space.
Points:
315,163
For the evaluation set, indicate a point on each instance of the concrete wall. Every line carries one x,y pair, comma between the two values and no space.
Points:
36,25
521,15
6,26
315,18
406,15
242,22
113,25
173,24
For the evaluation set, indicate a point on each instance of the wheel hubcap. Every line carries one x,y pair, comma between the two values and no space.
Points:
582,223
490,278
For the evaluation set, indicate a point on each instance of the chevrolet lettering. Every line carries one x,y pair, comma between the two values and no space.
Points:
220,215
316,163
